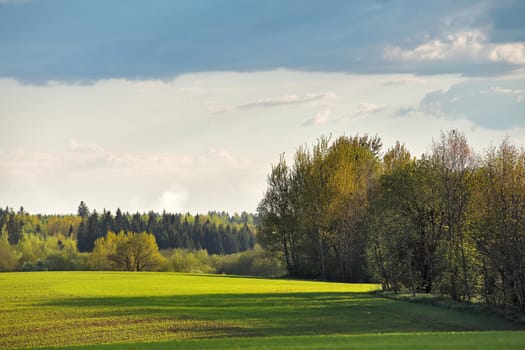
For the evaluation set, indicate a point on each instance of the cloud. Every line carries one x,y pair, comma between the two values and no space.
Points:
88,160
319,119
495,104
404,80
90,148
135,43
14,1
286,100
470,46
127,142
91,157
222,155
362,110
173,200
405,112
513,53
367,108
55,181
518,93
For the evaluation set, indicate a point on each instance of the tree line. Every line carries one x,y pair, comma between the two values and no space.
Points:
128,251
66,242
217,232
451,221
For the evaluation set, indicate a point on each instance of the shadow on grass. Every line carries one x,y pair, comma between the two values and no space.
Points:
270,314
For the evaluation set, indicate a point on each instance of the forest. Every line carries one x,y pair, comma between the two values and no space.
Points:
75,242
450,222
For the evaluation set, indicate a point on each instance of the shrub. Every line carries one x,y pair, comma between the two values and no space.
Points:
255,262
182,260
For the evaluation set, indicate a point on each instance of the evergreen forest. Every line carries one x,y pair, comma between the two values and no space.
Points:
66,242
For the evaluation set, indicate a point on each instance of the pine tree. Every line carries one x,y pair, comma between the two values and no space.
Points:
83,210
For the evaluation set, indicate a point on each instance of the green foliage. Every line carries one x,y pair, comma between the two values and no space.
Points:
8,257
169,310
104,246
129,251
31,242
498,221
62,254
31,248
445,223
196,261
313,213
35,252
38,265
83,210
254,262
218,233
448,224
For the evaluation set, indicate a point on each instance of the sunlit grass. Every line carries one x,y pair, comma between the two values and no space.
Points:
501,340
75,308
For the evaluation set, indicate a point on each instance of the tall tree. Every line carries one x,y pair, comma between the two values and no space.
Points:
454,164
313,214
499,222
83,210
88,232
275,210
128,251
392,233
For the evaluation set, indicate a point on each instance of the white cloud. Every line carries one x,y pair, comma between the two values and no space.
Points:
292,99
110,179
507,91
88,160
470,46
172,200
405,79
223,155
512,53
459,45
362,111
518,93
367,108
134,145
286,100
318,119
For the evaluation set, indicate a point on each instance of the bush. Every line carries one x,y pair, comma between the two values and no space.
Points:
182,260
39,265
128,251
253,262
8,258
59,261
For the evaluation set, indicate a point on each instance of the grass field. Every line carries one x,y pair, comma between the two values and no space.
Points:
112,310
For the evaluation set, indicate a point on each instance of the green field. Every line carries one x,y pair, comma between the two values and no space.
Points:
112,310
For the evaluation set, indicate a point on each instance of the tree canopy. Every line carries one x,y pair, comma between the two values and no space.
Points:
451,221
129,251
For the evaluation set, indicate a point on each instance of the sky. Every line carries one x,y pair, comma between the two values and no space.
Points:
184,105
